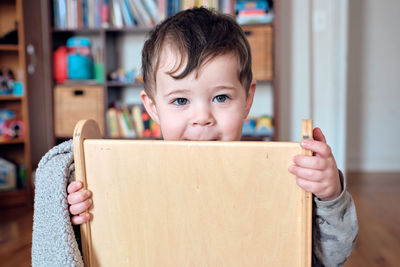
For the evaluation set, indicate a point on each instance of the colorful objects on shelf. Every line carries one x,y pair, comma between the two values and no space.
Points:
120,75
7,80
253,12
11,126
18,89
261,126
131,122
60,64
8,175
79,59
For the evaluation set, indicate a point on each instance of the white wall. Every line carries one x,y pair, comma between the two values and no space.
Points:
364,132
313,70
328,76
294,67
374,86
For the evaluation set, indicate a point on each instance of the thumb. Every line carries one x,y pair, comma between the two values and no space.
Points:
318,135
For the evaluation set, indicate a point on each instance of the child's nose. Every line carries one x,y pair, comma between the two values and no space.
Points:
202,116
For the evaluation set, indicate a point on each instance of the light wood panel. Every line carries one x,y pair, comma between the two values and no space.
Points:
160,203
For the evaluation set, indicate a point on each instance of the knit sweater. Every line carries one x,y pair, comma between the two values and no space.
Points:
53,239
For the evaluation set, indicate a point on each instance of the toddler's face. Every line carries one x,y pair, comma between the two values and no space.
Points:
211,106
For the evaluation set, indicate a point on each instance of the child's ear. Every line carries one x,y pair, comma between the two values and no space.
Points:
150,106
250,97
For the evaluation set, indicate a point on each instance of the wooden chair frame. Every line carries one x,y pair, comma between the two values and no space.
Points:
190,204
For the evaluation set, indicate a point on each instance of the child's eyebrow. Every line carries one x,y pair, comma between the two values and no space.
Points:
176,91
229,87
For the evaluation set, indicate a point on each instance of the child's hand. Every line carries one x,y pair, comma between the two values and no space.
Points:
317,174
79,202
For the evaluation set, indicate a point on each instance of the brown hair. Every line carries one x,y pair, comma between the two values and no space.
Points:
198,34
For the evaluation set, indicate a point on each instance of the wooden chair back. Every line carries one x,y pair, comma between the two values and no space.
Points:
164,203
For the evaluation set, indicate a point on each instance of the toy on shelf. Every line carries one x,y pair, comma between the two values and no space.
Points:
258,126
79,59
253,12
123,76
60,64
8,175
264,126
7,80
11,125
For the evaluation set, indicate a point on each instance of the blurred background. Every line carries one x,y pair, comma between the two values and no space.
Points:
335,62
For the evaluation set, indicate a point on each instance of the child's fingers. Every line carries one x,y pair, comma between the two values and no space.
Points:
309,186
80,207
79,196
80,219
306,174
318,135
310,162
319,147
73,187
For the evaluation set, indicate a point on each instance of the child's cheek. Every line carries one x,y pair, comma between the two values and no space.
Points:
232,127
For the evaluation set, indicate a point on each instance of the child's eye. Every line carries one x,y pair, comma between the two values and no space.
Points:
180,101
221,98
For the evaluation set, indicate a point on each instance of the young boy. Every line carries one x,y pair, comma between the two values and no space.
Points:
198,86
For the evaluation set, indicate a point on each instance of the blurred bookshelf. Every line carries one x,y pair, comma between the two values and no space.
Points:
15,157
108,24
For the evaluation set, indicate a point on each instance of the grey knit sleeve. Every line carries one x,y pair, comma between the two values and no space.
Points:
335,229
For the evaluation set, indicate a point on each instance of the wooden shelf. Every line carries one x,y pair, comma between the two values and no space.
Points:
123,84
137,29
264,81
80,31
258,24
111,39
12,141
8,48
10,98
80,83
14,57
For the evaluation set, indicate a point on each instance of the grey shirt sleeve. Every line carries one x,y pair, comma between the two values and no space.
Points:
335,229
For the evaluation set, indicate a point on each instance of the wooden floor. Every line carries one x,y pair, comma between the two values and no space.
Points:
377,198
15,237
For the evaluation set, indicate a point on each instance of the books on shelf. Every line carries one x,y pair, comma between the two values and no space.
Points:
185,4
94,14
253,12
143,15
131,122
126,13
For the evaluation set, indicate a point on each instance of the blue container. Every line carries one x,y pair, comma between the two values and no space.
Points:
79,58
